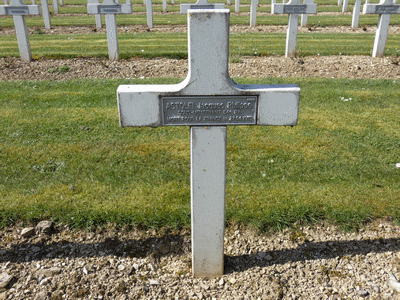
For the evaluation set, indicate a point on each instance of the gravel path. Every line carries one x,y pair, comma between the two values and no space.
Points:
251,67
318,262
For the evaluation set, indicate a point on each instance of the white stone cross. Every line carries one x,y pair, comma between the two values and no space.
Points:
18,10
110,8
385,9
208,100
201,4
293,8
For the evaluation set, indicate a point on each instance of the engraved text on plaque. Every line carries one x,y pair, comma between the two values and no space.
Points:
209,110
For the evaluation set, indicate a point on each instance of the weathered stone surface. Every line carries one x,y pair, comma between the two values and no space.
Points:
5,279
44,227
393,283
300,269
153,282
48,272
41,295
27,232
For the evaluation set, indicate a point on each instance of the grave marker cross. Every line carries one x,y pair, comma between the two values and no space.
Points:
293,8
18,10
208,100
385,9
110,8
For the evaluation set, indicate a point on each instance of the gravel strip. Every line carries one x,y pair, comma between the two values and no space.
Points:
317,262
252,67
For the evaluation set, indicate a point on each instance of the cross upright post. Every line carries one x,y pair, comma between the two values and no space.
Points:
18,10
253,13
293,8
208,100
356,14
149,13
56,7
345,6
385,9
46,14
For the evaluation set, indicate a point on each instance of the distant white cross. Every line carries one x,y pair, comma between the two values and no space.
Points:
208,100
18,10
385,9
110,8
293,8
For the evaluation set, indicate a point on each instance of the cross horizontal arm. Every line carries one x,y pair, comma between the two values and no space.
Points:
294,7
109,7
20,10
140,105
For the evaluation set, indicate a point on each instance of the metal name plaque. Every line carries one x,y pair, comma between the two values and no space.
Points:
294,9
209,110
387,9
17,10
109,9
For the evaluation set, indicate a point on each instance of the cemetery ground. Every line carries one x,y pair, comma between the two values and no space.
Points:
311,211
65,158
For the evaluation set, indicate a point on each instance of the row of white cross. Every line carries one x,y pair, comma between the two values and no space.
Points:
110,8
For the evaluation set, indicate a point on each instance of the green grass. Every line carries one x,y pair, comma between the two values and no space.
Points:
64,157
154,44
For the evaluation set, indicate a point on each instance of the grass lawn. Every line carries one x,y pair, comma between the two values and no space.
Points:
64,157
156,44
